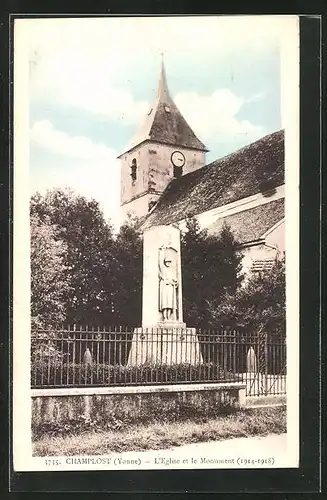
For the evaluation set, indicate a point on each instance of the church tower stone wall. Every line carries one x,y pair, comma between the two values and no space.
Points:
154,171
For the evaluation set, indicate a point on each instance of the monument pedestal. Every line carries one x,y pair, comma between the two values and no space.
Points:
165,344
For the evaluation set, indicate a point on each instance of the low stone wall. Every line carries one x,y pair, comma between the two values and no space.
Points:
62,404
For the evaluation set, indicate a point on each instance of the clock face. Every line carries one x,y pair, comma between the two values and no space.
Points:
178,159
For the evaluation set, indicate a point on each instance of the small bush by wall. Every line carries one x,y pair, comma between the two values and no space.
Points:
78,425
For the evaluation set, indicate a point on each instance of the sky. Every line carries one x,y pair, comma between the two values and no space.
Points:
91,80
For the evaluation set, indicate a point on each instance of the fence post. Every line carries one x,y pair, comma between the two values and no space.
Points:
266,364
262,361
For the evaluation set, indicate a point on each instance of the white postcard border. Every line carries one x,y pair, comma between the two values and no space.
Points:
22,447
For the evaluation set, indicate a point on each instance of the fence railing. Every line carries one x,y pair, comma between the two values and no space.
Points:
72,357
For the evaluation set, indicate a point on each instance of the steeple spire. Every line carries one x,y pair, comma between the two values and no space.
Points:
164,123
163,92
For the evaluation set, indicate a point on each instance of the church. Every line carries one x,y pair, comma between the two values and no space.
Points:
165,180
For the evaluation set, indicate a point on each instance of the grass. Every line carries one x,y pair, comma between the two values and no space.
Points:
155,436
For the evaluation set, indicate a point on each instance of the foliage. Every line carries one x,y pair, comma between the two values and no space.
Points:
258,306
105,270
89,258
50,283
128,275
103,374
211,267
75,426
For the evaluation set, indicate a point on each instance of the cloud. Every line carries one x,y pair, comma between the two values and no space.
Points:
260,96
43,134
114,103
90,169
66,79
214,118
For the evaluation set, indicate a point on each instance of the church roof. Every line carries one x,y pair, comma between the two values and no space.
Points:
250,170
164,123
250,225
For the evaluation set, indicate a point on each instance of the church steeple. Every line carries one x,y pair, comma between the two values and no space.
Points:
163,148
164,122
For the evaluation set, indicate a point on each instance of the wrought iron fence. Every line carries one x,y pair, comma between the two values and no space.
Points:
72,356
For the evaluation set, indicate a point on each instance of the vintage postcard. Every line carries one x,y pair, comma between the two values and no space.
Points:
156,243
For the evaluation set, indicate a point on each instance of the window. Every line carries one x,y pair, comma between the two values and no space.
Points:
133,169
262,265
151,204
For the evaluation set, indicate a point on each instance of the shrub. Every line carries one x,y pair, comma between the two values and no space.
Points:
54,373
257,307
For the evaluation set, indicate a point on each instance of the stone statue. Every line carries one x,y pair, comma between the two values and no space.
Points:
168,283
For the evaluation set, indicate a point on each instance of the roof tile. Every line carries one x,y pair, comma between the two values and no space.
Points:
250,225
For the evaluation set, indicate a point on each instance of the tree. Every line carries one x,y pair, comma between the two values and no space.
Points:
258,307
128,274
90,253
50,282
211,267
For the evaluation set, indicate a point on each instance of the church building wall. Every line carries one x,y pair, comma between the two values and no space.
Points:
276,237
138,206
272,247
256,252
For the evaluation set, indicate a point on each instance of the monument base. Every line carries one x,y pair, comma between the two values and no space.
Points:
165,344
